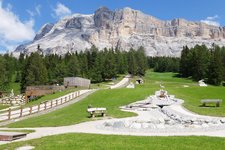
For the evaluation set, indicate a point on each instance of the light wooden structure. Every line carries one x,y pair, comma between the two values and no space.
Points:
77,82
10,136
96,111
210,101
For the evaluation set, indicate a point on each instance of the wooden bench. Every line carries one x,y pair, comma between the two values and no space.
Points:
210,101
96,111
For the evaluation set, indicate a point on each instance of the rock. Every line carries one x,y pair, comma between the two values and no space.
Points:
161,120
222,121
127,123
160,126
124,28
108,124
152,126
135,125
204,125
118,124
144,125
25,148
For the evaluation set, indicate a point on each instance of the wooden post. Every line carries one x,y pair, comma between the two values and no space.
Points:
76,94
65,99
56,102
45,105
51,103
21,110
69,97
30,110
61,100
38,107
9,115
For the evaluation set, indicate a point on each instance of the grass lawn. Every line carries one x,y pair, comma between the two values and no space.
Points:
112,99
113,142
3,106
76,113
15,86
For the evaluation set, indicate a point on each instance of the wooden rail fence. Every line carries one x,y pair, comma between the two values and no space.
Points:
21,112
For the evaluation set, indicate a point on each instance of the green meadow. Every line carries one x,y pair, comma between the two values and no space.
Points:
112,99
115,142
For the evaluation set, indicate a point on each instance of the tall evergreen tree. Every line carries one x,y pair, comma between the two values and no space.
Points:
141,61
216,70
184,62
132,67
35,72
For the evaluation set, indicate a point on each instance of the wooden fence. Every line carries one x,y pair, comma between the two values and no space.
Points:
21,112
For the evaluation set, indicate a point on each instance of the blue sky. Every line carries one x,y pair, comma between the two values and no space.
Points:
21,19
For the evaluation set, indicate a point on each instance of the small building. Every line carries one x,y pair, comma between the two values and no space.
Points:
34,91
76,82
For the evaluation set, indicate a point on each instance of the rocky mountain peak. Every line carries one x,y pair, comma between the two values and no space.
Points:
44,30
124,28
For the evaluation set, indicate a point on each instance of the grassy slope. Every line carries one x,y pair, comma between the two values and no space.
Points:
76,113
112,99
100,142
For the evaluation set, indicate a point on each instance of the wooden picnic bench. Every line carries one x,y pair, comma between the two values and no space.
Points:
96,111
210,101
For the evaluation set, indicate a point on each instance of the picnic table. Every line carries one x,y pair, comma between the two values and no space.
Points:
96,111
210,101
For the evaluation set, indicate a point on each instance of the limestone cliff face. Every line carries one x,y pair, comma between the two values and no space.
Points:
123,29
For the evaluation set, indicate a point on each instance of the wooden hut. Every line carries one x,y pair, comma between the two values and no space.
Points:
76,82
34,91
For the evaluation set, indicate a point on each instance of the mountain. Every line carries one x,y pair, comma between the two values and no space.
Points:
124,28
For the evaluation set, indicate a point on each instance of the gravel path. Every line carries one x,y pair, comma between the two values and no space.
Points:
123,83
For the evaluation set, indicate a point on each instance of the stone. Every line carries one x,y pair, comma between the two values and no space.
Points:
160,126
204,125
25,148
135,125
118,124
144,125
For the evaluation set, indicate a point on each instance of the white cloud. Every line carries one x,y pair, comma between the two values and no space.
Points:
61,10
212,20
38,9
31,13
12,29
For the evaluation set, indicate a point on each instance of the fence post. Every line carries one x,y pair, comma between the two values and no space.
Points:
51,103
56,102
61,100
65,99
30,110
9,115
45,105
21,110
38,107
69,97
78,93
